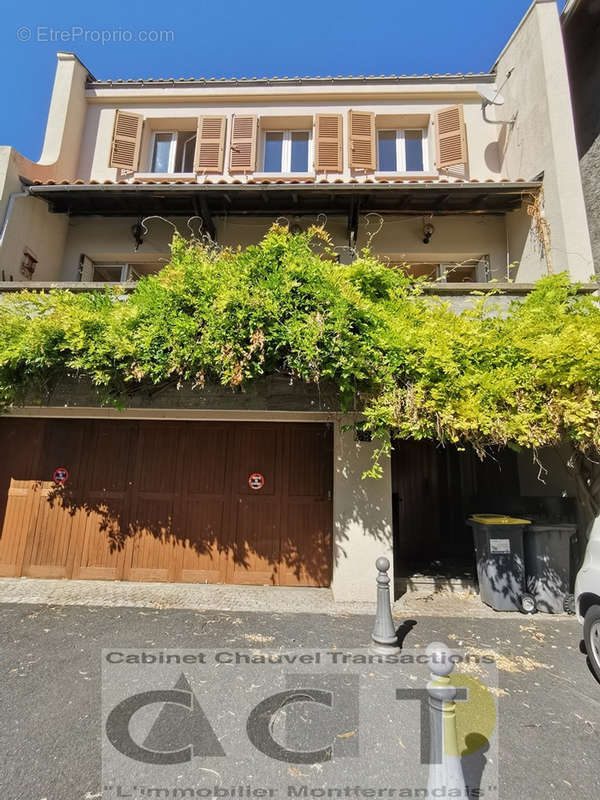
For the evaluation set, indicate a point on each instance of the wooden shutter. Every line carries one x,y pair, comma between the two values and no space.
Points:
86,269
127,135
328,143
451,137
362,140
210,144
243,143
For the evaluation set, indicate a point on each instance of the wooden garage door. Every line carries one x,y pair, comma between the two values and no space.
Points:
166,501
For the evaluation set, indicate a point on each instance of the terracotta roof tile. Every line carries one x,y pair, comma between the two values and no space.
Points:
459,76
279,180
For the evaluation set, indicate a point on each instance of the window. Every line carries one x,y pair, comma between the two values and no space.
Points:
472,270
287,151
110,273
173,152
122,273
401,150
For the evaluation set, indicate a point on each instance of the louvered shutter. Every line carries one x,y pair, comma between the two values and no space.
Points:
362,140
86,267
451,137
210,144
243,143
127,135
328,143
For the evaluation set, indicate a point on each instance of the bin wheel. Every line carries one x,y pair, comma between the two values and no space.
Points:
527,603
569,604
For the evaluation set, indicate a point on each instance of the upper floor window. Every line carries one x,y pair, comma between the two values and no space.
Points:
173,152
401,150
287,151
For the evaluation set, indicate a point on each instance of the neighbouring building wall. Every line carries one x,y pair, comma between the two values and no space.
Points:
581,30
542,140
27,225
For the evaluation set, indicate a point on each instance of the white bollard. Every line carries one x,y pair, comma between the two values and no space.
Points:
446,777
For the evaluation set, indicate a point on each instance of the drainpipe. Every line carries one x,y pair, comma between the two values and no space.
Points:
9,208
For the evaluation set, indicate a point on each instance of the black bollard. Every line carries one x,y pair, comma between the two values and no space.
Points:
384,638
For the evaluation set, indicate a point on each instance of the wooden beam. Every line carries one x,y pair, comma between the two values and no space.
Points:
207,220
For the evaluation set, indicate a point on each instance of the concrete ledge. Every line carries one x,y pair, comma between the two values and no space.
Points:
443,289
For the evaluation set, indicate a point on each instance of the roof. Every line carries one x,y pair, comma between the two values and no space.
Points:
469,77
276,196
263,180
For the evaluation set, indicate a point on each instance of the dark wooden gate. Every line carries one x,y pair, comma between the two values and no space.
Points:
166,501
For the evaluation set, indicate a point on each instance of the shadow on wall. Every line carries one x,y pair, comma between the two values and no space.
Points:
362,506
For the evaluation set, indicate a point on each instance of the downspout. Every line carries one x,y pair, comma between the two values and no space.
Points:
9,208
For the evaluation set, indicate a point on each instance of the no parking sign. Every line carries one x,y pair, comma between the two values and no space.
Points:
60,475
256,480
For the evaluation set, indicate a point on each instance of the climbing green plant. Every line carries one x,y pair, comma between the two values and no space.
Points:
528,376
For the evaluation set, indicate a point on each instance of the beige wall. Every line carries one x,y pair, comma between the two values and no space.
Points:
27,224
97,136
543,139
362,519
399,238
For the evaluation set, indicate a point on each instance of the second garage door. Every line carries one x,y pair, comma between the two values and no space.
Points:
167,501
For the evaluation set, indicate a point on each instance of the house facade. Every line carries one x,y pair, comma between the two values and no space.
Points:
464,179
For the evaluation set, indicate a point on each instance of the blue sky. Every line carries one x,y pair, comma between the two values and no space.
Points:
237,38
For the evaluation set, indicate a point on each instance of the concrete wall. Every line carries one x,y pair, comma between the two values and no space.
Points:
456,238
542,139
362,518
581,29
27,224
414,109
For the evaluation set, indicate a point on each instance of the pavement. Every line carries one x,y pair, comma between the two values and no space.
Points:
451,601
50,660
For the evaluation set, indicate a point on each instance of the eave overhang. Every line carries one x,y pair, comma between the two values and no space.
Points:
260,199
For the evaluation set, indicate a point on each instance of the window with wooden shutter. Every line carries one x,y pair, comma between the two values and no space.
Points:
127,135
243,143
451,137
328,143
362,140
210,144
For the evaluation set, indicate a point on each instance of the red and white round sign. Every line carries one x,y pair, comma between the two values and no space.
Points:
256,480
60,475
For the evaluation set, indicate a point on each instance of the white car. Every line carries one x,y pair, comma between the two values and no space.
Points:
587,598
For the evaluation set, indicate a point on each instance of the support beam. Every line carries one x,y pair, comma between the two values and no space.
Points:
207,220
353,218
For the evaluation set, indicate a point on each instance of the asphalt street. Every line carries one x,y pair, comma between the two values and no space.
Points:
50,660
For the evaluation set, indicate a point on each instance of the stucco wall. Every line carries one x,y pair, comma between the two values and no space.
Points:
542,139
397,238
582,44
362,518
98,130
27,223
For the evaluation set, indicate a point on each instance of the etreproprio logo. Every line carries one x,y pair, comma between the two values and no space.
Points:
251,723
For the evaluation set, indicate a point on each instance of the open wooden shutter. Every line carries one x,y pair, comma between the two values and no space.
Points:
127,135
86,267
210,144
362,140
243,143
451,137
328,143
